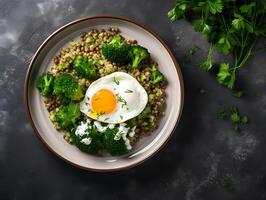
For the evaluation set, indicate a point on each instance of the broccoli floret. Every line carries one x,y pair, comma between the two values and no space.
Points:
85,67
117,50
93,139
156,75
45,84
67,88
67,116
137,55
114,147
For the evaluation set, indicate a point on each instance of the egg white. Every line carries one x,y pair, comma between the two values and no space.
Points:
131,98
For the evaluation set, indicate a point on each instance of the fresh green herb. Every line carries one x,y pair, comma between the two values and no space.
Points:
121,117
234,115
128,91
191,52
222,114
236,119
193,49
116,81
228,185
244,119
106,118
121,100
225,76
238,94
230,27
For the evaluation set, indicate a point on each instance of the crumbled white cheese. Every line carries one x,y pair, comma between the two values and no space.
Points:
111,126
86,141
127,143
132,132
99,127
124,130
81,129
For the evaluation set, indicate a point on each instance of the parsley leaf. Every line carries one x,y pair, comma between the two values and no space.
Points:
229,26
226,76
116,81
238,94
247,8
228,185
178,11
222,114
128,91
244,119
207,64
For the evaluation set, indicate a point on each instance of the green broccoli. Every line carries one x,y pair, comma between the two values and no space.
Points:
156,75
67,88
137,55
117,50
85,67
114,147
93,136
67,116
45,84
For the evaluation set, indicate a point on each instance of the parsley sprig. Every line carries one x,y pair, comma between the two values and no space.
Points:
121,100
234,116
230,27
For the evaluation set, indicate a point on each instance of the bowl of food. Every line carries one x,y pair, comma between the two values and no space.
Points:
104,93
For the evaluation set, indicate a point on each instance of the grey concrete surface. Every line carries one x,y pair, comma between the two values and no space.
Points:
201,154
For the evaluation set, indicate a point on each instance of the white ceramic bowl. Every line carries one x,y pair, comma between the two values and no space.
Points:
147,146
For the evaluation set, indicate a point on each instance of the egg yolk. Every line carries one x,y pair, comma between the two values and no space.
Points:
103,101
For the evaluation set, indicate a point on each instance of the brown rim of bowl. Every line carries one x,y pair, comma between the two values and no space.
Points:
26,82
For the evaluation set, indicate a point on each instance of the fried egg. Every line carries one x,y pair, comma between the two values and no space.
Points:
114,98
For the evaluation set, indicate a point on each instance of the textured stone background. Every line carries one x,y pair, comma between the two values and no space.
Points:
202,152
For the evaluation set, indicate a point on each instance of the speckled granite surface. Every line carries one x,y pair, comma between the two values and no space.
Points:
202,152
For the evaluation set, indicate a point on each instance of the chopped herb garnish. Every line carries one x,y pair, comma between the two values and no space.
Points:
191,52
228,185
106,118
244,119
238,94
121,100
222,114
128,91
121,117
116,81
236,119
234,115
